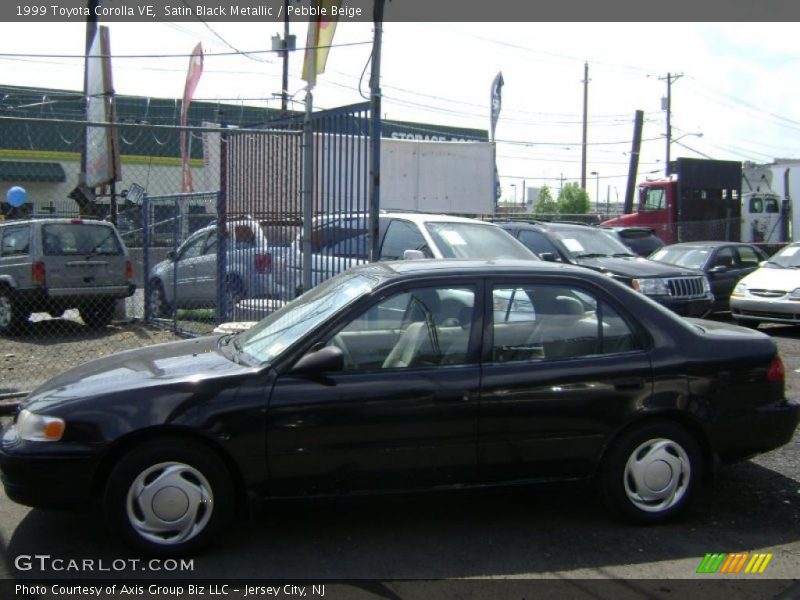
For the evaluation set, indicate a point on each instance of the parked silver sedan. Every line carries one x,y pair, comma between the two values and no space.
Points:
188,276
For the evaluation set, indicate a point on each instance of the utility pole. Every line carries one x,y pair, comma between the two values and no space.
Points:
667,106
283,47
633,167
375,132
585,122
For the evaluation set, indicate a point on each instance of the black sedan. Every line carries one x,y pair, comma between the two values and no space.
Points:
414,375
725,263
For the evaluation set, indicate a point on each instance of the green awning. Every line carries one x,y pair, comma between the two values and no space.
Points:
19,171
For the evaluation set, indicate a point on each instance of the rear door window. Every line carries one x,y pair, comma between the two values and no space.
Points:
15,241
80,239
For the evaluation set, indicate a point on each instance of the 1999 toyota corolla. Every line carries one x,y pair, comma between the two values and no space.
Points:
404,376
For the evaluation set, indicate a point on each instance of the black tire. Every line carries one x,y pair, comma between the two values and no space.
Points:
191,477
98,314
652,471
158,300
13,316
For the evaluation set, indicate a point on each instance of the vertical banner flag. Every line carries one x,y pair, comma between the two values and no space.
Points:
192,79
318,42
102,143
496,102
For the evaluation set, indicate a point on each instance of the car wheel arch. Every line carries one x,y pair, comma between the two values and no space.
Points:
121,446
680,418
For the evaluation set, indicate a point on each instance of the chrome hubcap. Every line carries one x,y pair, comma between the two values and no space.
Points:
169,503
5,311
657,475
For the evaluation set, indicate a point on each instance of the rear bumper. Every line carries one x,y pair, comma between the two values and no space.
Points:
770,427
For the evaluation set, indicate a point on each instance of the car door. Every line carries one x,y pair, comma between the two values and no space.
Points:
561,364
205,272
186,277
402,413
724,272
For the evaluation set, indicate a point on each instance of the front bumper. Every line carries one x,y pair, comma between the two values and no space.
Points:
44,475
776,311
687,307
768,428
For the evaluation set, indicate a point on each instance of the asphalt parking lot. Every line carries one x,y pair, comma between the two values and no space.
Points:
532,533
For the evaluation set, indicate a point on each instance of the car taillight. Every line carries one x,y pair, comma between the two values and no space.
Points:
129,270
263,262
37,272
776,372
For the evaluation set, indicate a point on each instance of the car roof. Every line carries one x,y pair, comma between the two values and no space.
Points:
56,220
461,266
421,217
706,243
547,225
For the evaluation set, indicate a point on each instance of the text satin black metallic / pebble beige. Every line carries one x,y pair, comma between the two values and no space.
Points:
413,375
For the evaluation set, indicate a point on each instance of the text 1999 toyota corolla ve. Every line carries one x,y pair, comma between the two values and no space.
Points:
404,376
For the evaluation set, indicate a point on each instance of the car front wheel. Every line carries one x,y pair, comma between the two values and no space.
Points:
158,300
170,497
651,472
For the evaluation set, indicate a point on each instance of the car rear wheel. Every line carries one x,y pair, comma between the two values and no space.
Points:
12,315
651,472
169,497
158,300
99,314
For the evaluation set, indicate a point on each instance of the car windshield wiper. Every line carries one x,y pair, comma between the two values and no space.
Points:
591,255
97,246
622,254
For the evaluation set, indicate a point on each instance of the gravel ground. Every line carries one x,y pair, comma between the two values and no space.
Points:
50,346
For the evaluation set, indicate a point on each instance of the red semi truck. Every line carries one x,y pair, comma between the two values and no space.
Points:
700,200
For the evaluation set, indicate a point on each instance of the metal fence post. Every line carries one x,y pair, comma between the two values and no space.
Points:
308,182
146,285
222,216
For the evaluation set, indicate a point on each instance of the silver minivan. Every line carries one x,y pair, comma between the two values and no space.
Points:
52,265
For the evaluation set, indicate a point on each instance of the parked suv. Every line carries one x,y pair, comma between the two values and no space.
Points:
187,278
683,290
51,265
341,241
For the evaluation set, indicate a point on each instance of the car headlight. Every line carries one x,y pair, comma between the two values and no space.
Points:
739,291
795,295
39,428
653,286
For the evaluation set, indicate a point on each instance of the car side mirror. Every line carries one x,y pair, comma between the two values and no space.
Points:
327,358
171,255
548,256
413,254
718,269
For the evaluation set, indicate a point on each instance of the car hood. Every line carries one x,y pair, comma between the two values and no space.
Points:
189,361
773,279
636,266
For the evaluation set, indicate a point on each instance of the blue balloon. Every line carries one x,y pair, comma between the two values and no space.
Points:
16,196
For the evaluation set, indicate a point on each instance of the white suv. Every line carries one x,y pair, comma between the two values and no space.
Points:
341,241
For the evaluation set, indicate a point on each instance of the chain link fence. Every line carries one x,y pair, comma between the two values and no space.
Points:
74,287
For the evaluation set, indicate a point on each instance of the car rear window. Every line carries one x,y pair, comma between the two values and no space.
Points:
79,239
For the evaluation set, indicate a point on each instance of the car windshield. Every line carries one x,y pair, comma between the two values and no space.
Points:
79,239
692,258
269,338
588,243
476,240
789,257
